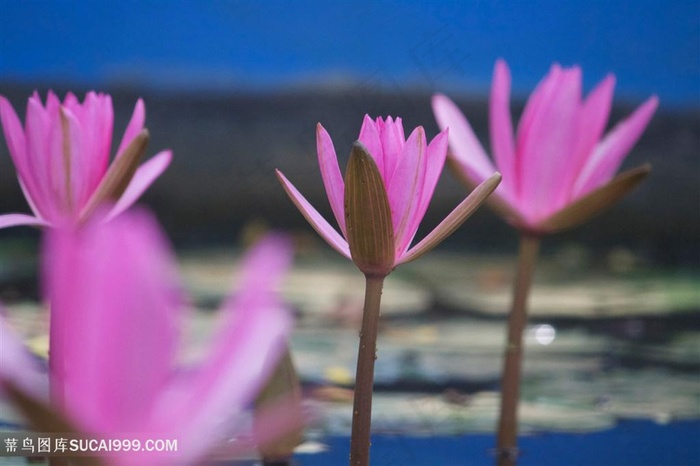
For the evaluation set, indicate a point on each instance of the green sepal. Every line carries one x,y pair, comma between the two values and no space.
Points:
370,232
118,175
455,219
595,202
282,386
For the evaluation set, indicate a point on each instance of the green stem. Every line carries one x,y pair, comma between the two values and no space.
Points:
507,442
364,378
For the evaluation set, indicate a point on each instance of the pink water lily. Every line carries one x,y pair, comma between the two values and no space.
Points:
408,171
116,318
379,205
62,158
559,155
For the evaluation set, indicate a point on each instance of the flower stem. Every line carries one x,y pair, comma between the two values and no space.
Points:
507,442
364,378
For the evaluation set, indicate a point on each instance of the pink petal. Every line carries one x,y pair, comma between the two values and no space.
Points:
17,146
52,102
38,130
209,406
466,149
330,172
610,152
593,118
392,140
97,122
271,423
596,110
398,124
265,265
14,136
51,111
547,141
12,220
113,322
74,188
134,127
145,175
319,224
435,162
243,355
455,218
437,155
405,189
56,253
19,366
30,201
72,103
542,93
501,128
53,161
370,137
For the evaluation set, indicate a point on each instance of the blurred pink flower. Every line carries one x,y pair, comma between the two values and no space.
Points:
116,319
62,158
559,154
409,169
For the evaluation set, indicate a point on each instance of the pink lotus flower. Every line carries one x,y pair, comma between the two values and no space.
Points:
402,175
62,158
115,334
557,170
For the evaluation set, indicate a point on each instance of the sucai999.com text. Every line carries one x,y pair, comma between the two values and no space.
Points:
12,444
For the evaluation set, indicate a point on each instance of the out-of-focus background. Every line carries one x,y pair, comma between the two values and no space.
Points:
235,89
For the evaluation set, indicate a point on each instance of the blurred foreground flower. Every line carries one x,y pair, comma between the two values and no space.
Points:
62,158
379,205
557,173
116,316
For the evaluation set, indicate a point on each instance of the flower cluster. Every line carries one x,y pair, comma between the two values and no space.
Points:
116,304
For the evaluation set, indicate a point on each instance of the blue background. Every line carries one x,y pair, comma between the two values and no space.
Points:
653,46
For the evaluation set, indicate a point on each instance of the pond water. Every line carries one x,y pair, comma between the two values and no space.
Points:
611,370
638,443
